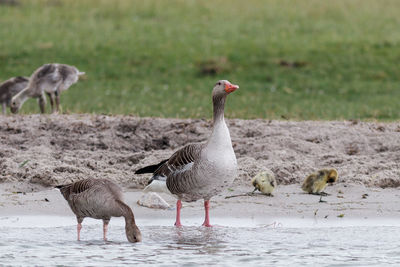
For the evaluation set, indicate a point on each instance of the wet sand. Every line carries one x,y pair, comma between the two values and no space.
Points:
346,203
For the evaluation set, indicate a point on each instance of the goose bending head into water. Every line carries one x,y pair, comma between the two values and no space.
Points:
10,88
51,79
202,170
100,199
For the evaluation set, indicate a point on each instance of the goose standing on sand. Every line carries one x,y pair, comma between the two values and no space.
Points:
199,171
10,88
51,79
100,199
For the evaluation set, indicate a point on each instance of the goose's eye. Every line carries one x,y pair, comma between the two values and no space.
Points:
219,83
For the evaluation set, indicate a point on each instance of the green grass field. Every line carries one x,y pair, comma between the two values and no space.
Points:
292,59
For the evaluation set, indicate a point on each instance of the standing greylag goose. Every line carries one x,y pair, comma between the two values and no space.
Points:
100,199
199,171
10,88
51,79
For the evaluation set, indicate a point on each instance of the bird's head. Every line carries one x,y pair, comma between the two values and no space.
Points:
254,182
332,176
328,175
224,87
262,179
133,234
15,105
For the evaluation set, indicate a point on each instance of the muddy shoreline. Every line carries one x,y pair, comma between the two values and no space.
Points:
55,149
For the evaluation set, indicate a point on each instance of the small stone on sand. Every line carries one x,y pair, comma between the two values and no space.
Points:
152,200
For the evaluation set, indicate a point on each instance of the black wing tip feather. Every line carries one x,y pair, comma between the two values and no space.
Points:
147,169
150,168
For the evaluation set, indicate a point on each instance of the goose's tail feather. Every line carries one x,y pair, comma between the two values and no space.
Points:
150,168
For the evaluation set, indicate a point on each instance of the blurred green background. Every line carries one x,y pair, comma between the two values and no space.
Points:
299,60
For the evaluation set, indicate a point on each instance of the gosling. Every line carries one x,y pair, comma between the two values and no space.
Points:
315,183
51,79
264,182
10,88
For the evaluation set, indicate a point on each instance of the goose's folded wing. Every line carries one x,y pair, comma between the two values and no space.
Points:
20,79
47,71
182,160
77,187
81,186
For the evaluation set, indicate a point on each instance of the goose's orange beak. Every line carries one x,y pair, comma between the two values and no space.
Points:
229,88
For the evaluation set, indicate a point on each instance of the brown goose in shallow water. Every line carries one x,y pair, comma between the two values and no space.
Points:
10,88
51,79
199,171
100,199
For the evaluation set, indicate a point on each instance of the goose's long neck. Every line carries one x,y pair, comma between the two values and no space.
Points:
128,215
218,108
23,95
130,224
220,137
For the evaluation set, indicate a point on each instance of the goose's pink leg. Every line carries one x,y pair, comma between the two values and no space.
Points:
105,225
206,222
178,213
79,227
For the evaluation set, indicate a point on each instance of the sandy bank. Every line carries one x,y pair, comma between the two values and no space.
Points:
55,149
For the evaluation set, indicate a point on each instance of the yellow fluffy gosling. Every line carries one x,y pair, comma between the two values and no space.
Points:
265,182
316,182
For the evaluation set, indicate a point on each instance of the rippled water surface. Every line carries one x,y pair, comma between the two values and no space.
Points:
47,245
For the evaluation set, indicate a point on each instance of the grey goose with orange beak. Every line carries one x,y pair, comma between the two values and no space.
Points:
100,199
201,170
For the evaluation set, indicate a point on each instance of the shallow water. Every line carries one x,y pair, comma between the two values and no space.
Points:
50,241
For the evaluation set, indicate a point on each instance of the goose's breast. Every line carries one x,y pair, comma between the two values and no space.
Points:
220,170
